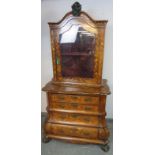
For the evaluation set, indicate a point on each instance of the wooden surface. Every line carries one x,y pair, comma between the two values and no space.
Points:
77,114
72,88
77,140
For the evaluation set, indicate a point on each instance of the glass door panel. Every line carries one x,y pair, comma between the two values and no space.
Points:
77,50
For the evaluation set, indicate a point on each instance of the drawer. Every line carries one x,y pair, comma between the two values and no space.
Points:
90,99
72,118
74,98
72,131
74,106
59,98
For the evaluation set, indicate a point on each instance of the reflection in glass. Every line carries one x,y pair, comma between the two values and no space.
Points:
77,47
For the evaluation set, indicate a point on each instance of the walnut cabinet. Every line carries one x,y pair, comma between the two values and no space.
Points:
76,95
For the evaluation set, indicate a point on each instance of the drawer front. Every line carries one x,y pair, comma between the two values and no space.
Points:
74,98
59,98
90,99
72,131
74,106
72,118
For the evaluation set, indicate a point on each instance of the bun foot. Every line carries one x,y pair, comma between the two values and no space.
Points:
45,139
105,148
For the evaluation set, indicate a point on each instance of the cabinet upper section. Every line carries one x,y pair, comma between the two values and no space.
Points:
77,44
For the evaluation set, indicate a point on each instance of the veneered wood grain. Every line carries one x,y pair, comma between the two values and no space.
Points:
75,99
74,118
74,131
77,140
74,106
75,89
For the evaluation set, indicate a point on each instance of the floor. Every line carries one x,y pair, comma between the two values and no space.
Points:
56,147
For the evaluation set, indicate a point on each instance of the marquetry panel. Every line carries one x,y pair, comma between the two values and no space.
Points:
73,131
74,106
74,99
73,118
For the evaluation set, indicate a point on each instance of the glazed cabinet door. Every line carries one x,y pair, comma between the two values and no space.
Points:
77,49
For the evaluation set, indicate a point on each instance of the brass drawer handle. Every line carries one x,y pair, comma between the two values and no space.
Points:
74,97
74,115
86,134
88,108
75,105
88,99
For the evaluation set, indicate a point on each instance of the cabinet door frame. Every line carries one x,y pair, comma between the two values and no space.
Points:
55,28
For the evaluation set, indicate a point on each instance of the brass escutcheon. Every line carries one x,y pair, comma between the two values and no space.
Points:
88,99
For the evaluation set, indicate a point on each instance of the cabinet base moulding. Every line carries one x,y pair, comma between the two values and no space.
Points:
77,140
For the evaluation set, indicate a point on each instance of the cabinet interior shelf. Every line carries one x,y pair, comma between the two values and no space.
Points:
76,54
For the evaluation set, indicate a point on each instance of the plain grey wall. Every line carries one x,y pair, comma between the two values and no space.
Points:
53,11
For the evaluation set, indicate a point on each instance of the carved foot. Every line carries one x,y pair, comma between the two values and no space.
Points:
45,139
105,147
